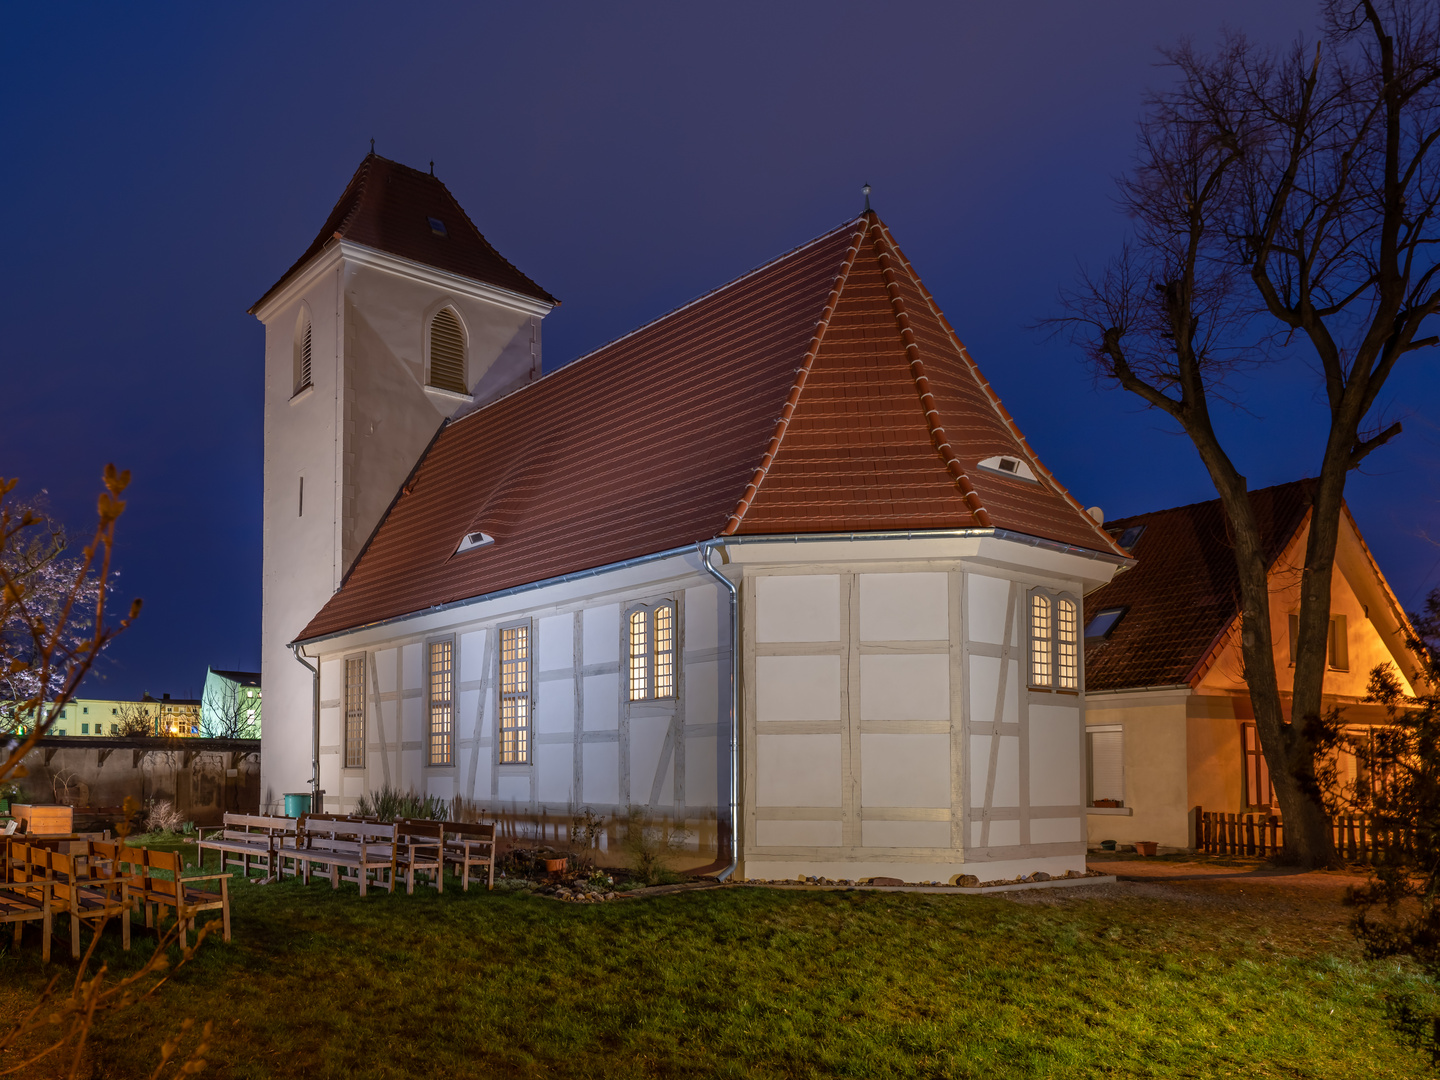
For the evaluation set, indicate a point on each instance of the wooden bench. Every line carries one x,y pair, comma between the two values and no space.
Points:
420,848
22,902
244,837
470,844
363,847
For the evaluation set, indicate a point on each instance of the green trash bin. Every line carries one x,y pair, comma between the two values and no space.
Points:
297,803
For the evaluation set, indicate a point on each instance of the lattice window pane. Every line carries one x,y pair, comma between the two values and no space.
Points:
1042,639
639,655
515,695
442,712
1067,644
665,651
447,352
355,712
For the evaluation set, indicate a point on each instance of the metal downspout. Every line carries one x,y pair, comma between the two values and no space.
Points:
316,794
704,548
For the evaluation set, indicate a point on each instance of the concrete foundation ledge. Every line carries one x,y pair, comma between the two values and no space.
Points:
981,890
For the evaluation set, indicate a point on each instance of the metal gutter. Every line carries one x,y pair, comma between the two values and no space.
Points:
316,806
704,548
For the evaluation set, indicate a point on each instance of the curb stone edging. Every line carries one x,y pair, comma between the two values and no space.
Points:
952,890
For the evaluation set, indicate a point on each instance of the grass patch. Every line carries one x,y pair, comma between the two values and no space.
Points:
764,983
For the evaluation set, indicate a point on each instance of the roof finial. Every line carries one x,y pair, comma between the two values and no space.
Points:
866,190
372,146
432,168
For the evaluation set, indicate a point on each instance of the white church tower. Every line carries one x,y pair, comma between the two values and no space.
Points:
399,316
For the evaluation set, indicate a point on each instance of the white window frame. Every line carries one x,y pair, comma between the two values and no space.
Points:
447,306
1090,732
650,664
354,713
445,703
1051,651
516,690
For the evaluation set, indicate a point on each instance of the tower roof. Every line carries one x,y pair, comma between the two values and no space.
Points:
395,209
669,436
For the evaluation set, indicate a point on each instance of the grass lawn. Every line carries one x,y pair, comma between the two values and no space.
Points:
750,982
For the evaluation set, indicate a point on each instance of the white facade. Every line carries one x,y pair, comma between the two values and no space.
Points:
337,451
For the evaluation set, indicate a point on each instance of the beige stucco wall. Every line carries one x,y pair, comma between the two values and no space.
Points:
1154,748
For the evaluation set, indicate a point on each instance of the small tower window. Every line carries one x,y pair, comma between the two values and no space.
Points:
1054,641
447,352
304,351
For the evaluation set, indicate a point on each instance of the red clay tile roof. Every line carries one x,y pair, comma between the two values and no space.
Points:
647,444
387,206
1184,591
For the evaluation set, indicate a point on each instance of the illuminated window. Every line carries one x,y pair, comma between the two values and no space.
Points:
447,352
442,705
652,651
515,695
354,712
1054,641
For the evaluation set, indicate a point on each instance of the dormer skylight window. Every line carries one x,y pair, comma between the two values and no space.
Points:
1012,467
474,540
1100,627
1128,538
437,226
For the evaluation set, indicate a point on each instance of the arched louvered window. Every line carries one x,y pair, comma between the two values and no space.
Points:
304,350
447,352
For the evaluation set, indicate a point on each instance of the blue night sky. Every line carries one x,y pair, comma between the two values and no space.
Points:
168,163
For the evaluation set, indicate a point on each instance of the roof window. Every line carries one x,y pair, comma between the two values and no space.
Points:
1099,628
1012,467
474,540
1128,538
437,226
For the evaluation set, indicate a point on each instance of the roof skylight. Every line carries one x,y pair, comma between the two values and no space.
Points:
1130,537
1100,627
1009,466
437,226
474,540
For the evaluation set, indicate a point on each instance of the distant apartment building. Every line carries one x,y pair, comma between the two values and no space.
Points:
230,705
113,717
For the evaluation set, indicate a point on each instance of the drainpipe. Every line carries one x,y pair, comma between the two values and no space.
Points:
704,548
316,795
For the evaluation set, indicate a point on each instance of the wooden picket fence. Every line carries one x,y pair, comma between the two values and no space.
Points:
1356,839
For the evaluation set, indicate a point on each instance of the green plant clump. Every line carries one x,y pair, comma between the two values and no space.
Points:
388,804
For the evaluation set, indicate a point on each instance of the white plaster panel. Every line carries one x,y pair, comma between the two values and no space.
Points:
514,789
557,642
904,607
600,763
330,773
554,772
899,687
329,726
801,607
905,770
385,667
797,770
1007,772
1004,833
555,706
985,607
601,637
410,710
647,740
985,686
667,789
979,768
467,703
602,702
702,693
410,666
905,834
797,688
330,679
702,780
1055,765
702,617
975,833
472,656
352,786
798,833
440,787
1054,830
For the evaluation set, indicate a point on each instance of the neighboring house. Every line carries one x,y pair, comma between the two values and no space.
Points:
1169,725
518,590
107,716
230,704
175,716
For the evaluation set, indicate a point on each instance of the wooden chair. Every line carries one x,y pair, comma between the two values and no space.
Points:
83,898
179,892
26,901
470,844
420,848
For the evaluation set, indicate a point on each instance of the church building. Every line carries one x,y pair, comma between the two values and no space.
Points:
777,568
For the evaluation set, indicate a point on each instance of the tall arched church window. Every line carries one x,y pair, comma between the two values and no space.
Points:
651,632
304,352
447,352
1054,622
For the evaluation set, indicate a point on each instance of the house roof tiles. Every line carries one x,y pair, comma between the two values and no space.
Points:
783,402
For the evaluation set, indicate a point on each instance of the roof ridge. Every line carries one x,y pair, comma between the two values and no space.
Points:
994,399
938,438
571,365
801,374
1206,502
481,236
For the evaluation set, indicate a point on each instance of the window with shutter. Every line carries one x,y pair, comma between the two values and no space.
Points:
355,712
1106,766
447,352
515,695
304,351
442,702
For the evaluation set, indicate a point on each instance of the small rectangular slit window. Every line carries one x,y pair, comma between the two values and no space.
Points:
515,695
355,712
442,710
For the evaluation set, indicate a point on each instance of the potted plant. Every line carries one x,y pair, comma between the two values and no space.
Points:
1146,847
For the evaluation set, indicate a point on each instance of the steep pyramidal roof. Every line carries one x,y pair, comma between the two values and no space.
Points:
389,207
670,436
1184,591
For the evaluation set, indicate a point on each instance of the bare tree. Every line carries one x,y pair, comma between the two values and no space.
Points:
229,712
1284,212
134,719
